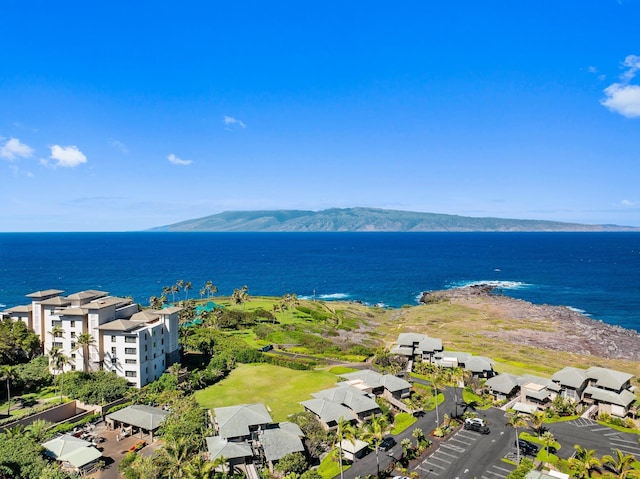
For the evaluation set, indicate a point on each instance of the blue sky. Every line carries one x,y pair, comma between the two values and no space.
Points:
120,115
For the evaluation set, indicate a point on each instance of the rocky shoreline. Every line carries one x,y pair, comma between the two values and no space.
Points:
565,329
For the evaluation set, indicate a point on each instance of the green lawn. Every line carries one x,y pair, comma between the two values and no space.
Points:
280,389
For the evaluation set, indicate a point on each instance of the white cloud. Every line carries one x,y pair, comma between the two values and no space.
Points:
231,121
623,97
628,203
14,148
120,146
592,69
178,161
67,156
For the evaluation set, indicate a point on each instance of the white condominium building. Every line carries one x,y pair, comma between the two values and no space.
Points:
137,345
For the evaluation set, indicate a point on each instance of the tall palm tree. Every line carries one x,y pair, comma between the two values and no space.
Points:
345,431
374,431
548,439
435,382
8,373
187,286
199,468
515,421
584,461
58,360
84,341
620,464
145,467
210,288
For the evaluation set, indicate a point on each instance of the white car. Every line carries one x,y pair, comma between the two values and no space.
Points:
475,420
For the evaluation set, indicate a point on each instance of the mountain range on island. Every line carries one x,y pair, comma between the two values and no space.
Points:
371,220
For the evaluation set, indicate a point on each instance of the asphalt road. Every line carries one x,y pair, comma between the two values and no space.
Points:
467,454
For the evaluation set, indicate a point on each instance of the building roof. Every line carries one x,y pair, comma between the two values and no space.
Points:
328,411
407,339
430,345
145,315
503,383
45,293
348,396
478,364
279,441
170,310
624,398
139,415
108,302
530,380
402,350
571,377
122,325
525,408
24,309
608,378
375,380
220,447
353,447
58,301
235,421
73,450
88,294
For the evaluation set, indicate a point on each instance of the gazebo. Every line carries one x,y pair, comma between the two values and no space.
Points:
74,453
144,418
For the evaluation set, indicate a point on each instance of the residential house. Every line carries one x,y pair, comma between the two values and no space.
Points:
328,412
386,385
570,383
611,390
279,440
239,423
479,366
363,405
503,387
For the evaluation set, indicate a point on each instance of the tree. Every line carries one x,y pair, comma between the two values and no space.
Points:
435,382
345,431
374,431
84,341
537,421
620,464
8,373
240,296
516,420
294,462
548,440
176,454
187,287
58,361
420,438
17,342
583,462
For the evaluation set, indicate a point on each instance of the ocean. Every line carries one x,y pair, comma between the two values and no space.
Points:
595,273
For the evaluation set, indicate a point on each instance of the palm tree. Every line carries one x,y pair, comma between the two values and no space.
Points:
435,382
548,440
516,420
84,341
187,286
9,373
537,421
58,360
420,438
620,464
198,468
584,461
345,431
211,288
144,467
240,296
176,454
38,429
374,430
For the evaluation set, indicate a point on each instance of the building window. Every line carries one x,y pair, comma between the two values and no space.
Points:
130,374
73,367
73,334
130,361
113,351
130,351
73,324
57,344
162,342
73,355
73,345
145,347
129,339
154,344
56,323
113,339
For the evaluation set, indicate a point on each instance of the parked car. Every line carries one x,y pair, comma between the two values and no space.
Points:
528,448
266,348
387,443
475,420
474,426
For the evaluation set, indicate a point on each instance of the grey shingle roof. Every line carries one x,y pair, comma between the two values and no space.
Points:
44,293
349,396
375,380
570,377
220,447
624,398
235,421
328,411
139,415
73,450
402,350
608,378
121,325
430,345
503,383
282,440
407,339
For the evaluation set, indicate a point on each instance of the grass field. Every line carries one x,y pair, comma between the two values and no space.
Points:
280,389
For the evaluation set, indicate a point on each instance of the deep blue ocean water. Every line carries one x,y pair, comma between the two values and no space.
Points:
597,273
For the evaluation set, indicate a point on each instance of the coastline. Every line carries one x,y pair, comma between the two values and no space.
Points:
558,328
